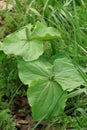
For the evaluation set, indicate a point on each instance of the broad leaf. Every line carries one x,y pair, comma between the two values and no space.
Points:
41,31
46,98
38,69
47,85
18,44
28,44
66,74
63,72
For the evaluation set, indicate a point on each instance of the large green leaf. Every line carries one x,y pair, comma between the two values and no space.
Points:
47,85
38,69
41,31
66,74
27,44
63,72
19,44
46,98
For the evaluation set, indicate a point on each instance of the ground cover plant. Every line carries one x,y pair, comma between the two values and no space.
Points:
47,52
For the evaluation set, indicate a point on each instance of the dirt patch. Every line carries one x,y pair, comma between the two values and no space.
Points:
22,114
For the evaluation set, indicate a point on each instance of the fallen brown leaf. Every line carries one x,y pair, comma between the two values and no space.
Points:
23,122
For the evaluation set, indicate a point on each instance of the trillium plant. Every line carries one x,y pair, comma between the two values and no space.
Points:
49,81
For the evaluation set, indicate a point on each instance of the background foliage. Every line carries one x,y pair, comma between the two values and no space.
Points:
70,19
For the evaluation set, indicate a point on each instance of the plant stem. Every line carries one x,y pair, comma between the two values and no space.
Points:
53,48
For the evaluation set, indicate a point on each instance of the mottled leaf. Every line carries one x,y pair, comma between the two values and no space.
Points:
46,98
19,44
48,84
66,74
42,32
39,69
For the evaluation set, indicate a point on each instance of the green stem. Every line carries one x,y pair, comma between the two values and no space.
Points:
53,48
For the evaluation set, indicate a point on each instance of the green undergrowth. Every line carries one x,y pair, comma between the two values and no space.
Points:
10,86
69,18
